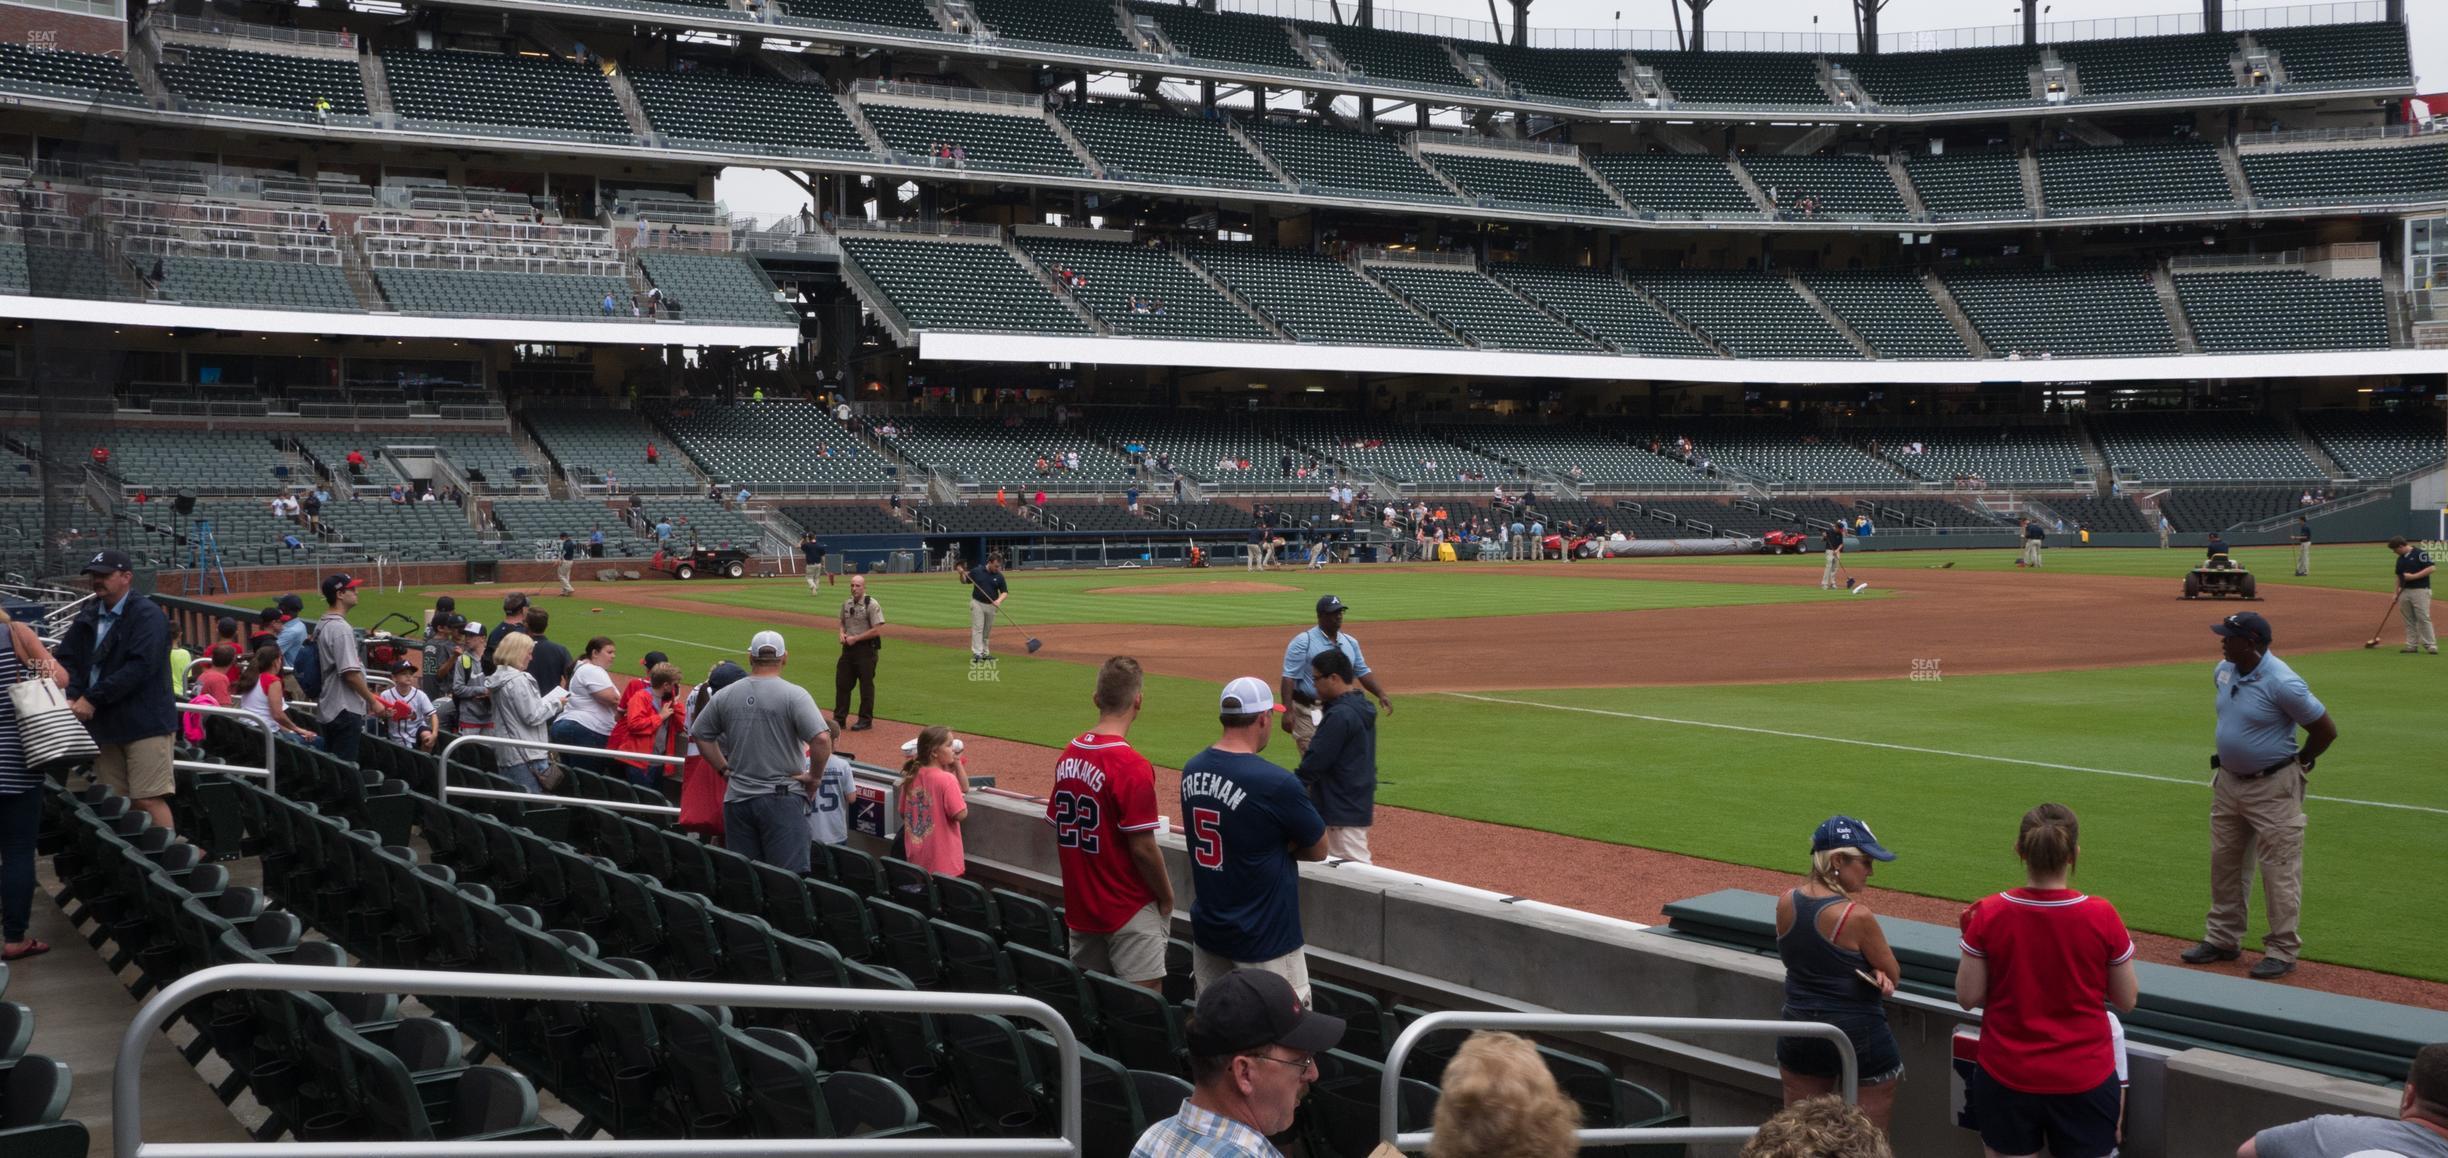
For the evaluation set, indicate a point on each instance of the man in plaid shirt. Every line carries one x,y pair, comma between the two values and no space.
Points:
1253,1053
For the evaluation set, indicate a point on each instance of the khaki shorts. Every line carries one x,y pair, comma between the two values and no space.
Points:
1135,952
139,770
1206,969
1347,844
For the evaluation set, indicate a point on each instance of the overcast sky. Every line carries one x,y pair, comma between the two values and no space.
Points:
753,191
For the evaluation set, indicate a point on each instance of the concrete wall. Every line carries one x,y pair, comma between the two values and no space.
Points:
1446,946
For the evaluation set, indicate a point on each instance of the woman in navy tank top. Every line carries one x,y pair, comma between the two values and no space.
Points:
1839,970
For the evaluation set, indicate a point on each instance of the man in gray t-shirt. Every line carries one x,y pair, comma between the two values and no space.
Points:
344,699
2420,1130
764,733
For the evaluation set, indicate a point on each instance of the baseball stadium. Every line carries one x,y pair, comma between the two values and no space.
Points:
1687,469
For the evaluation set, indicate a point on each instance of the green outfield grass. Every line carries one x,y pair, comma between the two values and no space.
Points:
1458,592
2348,567
1644,767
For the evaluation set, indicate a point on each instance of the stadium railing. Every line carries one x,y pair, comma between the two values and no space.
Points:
127,1082
271,760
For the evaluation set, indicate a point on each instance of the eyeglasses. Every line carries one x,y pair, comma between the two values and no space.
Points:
1304,1065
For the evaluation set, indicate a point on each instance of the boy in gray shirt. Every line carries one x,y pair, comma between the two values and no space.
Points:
2420,1130
763,734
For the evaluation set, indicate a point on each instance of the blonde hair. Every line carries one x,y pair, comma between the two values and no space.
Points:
1499,1099
1821,1127
1824,864
514,650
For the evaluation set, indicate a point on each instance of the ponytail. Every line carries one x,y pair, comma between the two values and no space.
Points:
930,741
1823,869
2048,840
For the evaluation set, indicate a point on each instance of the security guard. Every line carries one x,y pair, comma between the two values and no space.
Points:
2257,794
862,636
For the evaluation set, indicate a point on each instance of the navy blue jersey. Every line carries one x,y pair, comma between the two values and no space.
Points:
1244,815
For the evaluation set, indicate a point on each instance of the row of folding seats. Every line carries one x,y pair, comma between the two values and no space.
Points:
2153,65
2376,444
722,108
261,80
521,95
1480,310
959,287
1603,306
1224,36
1969,183
1891,310
1142,291
2328,176
1752,314
1525,183
771,442
1842,186
1718,78
1146,143
2232,312
2180,175
1329,159
1018,139
34,1092
1070,23
1315,298
1676,184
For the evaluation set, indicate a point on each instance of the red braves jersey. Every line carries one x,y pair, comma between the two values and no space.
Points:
2046,1027
1102,789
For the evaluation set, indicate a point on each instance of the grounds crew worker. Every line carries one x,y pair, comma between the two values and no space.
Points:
987,591
569,559
2414,567
1300,717
2302,535
1833,540
2257,796
2035,537
862,636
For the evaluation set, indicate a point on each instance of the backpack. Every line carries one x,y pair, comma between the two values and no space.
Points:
309,668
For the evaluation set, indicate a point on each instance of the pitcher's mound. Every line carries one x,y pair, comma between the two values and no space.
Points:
1218,587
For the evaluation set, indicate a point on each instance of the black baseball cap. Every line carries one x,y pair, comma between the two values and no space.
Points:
333,585
652,658
109,563
291,604
725,674
1249,1008
2247,624
1328,603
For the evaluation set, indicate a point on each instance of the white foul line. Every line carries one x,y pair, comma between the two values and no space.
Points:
682,642
1911,748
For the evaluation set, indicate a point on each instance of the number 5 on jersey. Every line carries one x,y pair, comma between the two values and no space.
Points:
1206,843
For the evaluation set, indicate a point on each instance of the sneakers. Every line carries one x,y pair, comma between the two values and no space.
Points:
2205,953
2411,651
2270,969
862,725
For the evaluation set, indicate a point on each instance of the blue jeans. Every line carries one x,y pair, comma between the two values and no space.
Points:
771,827
20,815
340,736
524,773
569,731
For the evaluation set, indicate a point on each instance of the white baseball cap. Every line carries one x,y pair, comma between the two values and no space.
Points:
767,644
909,747
1248,696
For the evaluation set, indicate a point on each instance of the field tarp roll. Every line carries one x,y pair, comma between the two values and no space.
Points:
1656,548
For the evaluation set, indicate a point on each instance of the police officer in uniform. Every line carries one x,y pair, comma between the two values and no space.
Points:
862,636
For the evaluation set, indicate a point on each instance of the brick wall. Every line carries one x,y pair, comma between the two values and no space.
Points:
44,28
513,574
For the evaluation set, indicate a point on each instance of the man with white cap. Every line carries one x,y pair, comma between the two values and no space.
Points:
1248,820
765,736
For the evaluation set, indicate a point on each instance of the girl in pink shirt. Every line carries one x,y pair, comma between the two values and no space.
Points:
932,806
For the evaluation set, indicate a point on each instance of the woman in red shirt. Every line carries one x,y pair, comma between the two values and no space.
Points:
2046,961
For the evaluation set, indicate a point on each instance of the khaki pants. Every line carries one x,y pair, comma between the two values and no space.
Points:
2415,606
138,769
1304,725
561,571
1348,844
1206,969
1827,578
2031,552
2257,821
2303,557
1135,952
981,627
2163,538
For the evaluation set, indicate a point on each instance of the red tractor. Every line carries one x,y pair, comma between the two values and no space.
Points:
1783,542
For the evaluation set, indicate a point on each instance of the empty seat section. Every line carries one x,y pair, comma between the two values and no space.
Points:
2377,444
1841,186
1401,453
2198,63
1955,78
1524,182
2349,176
608,443
1480,310
1790,453
2000,455
715,287
260,80
1891,310
2113,515
1580,74
988,451
1345,162
1964,184
1599,304
518,95
435,531
1135,142
165,460
51,271
745,111
938,285
1069,23
54,72
1676,184
1225,37
1754,315
772,445
2076,182
1316,299
505,295
2319,56
1137,290
2105,311
2202,509
844,519
2207,446
280,284
1017,140
1600,459
1394,57
1743,79
895,14
1198,444
1891,513
2260,311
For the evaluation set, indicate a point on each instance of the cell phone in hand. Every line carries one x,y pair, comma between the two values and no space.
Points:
1868,978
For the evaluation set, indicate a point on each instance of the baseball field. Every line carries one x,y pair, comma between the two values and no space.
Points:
1615,735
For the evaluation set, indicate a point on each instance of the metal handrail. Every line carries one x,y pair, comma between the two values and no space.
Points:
1388,1086
483,741
271,762
127,1106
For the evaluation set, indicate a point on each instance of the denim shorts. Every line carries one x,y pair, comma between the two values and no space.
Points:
1874,1047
